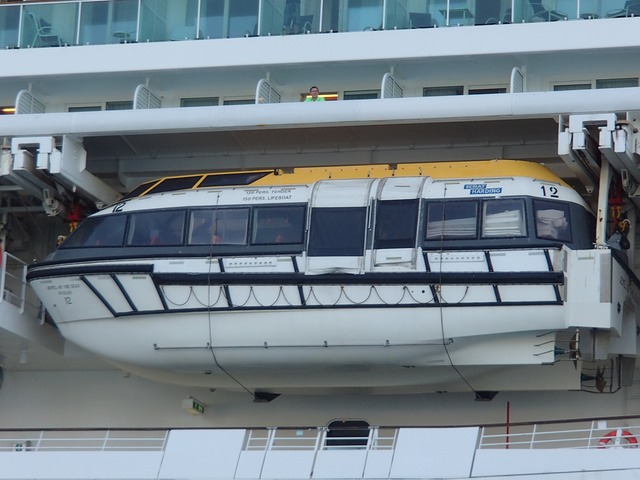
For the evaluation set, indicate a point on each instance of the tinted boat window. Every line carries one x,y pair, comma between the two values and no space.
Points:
103,231
396,224
347,433
226,179
138,190
451,220
159,227
552,220
278,225
337,232
224,226
173,184
503,218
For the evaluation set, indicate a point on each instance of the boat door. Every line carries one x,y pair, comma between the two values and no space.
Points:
396,223
338,226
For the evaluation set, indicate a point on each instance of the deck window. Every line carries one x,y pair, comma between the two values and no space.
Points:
200,102
442,91
223,226
103,231
617,82
159,227
278,225
452,220
552,220
172,184
487,90
361,95
347,434
503,218
396,224
337,232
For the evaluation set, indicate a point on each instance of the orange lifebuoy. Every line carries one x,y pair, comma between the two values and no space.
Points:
627,435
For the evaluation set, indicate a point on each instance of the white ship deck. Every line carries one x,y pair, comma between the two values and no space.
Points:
550,451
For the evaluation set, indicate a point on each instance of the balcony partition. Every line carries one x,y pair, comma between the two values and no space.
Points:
108,22
99,22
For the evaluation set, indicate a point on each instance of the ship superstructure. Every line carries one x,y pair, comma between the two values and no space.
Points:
99,97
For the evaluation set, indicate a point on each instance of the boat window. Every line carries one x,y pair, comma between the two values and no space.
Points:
552,220
139,190
102,231
278,225
224,226
451,220
347,433
173,184
503,218
396,224
223,180
337,232
158,227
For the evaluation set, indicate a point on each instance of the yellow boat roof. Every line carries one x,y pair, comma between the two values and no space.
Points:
306,175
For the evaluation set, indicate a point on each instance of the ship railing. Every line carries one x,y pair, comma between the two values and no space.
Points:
12,280
83,440
14,287
318,439
82,22
576,435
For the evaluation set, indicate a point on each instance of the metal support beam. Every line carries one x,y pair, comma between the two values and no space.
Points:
69,166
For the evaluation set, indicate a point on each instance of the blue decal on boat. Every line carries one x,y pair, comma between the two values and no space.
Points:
485,191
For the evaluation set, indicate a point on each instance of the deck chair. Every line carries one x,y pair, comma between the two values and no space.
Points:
44,34
631,9
420,20
542,13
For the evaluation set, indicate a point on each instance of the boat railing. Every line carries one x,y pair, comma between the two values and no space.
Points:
83,440
14,287
12,280
318,439
580,435
587,434
84,22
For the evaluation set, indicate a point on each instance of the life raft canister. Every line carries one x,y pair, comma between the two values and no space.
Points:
627,435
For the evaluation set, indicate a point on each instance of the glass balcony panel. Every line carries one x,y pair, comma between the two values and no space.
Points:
364,15
396,15
567,7
547,10
410,14
108,22
273,14
229,18
458,12
162,20
9,26
182,19
289,17
492,12
351,15
438,11
49,25
521,11
330,15
590,9
212,14
243,18
620,8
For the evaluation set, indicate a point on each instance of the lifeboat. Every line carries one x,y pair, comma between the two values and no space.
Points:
419,278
